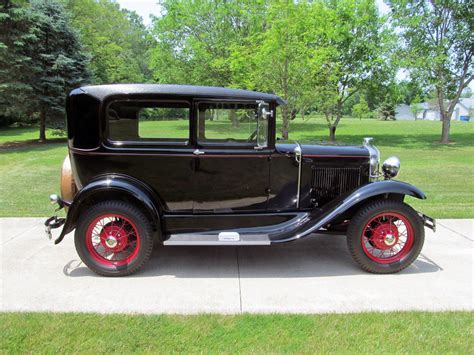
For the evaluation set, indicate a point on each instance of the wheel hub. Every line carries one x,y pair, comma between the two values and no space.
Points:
114,238
390,239
111,241
385,236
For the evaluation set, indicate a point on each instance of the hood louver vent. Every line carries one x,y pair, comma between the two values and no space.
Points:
328,183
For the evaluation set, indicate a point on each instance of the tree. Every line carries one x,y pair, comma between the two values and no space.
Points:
415,106
387,110
438,48
117,40
15,21
353,52
361,109
51,63
277,58
195,40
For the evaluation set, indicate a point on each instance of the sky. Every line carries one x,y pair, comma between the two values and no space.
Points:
144,8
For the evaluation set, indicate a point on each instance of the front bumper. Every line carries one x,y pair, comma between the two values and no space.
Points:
55,221
428,221
52,223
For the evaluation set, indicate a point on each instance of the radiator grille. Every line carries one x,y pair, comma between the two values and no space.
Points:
328,183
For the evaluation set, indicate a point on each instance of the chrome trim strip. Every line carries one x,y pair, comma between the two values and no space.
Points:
213,239
216,243
298,153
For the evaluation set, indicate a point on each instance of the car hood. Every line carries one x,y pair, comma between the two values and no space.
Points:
325,150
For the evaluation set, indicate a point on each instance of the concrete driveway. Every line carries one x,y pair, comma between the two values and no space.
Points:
313,275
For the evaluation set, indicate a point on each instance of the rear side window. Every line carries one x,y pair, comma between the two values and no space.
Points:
148,121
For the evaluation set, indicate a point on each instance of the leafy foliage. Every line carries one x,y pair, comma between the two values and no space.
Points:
48,61
361,109
438,47
355,55
117,40
326,56
194,39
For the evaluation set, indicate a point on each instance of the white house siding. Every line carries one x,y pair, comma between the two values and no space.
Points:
464,109
432,115
403,112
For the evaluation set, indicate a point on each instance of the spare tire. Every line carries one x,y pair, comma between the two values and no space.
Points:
68,185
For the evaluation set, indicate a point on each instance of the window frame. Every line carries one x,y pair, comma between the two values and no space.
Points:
227,144
164,142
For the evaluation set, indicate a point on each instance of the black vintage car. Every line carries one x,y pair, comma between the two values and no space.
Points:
191,165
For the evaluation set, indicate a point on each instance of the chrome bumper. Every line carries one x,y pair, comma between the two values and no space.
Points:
428,221
52,223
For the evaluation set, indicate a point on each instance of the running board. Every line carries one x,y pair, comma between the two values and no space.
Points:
223,238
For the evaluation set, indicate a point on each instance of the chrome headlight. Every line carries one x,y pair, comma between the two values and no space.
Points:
391,167
374,157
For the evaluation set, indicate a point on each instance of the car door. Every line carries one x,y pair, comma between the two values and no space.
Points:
231,159
149,139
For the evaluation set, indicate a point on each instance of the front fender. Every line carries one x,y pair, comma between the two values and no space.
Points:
315,220
378,188
120,184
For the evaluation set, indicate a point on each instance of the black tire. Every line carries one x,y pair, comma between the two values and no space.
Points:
358,225
142,238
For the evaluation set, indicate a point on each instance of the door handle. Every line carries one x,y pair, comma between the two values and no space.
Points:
198,152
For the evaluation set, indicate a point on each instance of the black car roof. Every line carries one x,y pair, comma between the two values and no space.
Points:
103,91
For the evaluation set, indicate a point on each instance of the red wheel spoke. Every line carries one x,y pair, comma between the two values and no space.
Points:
391,237
112,240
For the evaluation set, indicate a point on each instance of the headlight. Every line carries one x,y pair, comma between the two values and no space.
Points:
391,167
374,157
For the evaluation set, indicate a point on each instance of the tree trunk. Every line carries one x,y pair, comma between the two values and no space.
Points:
233,118
42,133
446,125
332,133
286,122
445,117
333,127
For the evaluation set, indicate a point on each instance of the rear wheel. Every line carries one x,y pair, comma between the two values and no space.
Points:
114,238
385,236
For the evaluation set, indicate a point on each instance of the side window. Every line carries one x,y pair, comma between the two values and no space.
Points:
148,121
228,122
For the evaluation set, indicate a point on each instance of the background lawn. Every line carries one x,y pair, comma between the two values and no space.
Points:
400,332
30,172
22,134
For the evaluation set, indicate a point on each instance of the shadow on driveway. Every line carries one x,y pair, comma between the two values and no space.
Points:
316,256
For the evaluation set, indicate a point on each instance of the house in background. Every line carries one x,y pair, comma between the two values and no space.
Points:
429,112
463,111
403,112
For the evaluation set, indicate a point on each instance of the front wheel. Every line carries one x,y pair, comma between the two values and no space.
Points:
385,236
114,238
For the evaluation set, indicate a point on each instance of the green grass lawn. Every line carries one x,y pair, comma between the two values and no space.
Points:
24,133
400,332
29,173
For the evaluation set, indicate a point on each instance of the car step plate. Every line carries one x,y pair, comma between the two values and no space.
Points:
222,238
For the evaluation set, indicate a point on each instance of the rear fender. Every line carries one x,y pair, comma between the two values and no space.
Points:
110,185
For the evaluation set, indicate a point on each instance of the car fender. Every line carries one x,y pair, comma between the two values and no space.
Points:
315,220
121,184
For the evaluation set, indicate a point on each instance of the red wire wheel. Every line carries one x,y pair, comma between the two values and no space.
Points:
387,238
112,240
